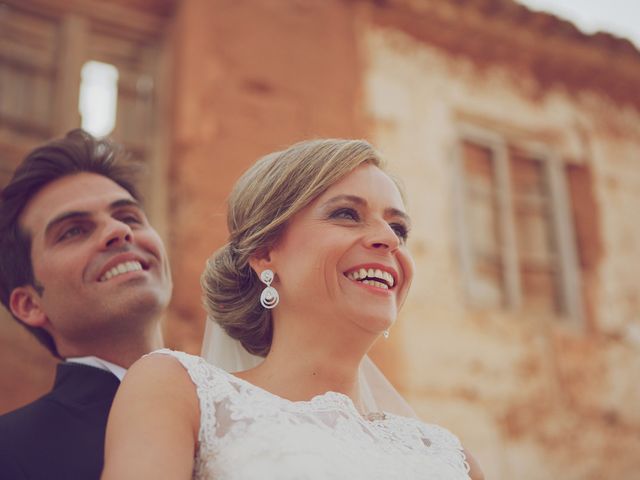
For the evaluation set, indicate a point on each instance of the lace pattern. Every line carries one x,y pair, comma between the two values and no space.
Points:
249,433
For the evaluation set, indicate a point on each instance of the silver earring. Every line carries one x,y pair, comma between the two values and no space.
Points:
269,297
385,334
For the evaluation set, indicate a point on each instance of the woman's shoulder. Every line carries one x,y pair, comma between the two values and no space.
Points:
172,364
187,360
155,385
155,373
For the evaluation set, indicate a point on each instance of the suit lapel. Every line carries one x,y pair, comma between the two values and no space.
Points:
82,385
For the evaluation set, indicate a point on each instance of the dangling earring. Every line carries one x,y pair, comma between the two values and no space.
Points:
385,334
269,297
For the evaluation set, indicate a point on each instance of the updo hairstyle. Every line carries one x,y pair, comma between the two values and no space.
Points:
261,203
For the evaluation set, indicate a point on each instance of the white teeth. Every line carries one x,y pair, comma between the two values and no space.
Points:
121,268
372,277
374,283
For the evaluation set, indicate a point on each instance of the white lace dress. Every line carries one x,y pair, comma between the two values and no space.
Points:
248,433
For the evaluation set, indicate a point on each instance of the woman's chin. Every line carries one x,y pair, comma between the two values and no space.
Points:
374,324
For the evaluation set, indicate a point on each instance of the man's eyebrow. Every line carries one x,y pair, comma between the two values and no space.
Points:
63,217
125,202
391,212
78,214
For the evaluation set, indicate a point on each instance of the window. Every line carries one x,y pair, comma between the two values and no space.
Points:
98,97
110,60
517,244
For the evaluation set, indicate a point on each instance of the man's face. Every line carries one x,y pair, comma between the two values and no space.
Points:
102,267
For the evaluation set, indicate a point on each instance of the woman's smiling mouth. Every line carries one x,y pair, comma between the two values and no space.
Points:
376,277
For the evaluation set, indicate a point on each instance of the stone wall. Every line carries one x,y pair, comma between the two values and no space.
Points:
531,397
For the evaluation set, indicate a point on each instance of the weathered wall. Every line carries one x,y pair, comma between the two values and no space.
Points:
250,77
532,399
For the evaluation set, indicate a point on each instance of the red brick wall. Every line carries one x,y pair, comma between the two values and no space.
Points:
249,78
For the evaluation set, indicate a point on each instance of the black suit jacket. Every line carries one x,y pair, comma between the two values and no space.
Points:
60,435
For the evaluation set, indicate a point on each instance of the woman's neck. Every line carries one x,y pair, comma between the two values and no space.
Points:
301,365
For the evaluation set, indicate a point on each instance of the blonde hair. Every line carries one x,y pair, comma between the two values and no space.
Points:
270,193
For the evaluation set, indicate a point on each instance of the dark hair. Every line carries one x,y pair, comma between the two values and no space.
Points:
77,152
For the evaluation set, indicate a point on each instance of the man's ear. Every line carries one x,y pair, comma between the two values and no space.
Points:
25,303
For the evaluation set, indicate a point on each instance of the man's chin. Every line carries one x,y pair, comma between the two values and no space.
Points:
137,303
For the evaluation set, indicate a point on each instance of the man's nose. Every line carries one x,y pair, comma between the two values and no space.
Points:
117,233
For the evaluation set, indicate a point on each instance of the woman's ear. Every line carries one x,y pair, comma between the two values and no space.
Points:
261,260
24,303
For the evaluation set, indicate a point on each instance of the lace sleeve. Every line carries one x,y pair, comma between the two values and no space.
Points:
203,377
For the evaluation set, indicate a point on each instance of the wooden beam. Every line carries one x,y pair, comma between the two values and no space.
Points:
112,18
73,41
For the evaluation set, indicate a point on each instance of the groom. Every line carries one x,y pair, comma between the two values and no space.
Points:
82,269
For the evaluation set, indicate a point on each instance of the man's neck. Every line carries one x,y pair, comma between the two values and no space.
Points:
119,351
100,363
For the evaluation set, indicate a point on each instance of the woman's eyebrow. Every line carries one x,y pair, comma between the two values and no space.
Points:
390,211
394,212
349,198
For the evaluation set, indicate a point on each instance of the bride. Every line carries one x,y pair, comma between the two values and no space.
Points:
315,270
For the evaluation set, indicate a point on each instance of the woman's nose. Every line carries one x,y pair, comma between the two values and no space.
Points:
383,237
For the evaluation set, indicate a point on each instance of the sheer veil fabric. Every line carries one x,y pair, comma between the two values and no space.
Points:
376,392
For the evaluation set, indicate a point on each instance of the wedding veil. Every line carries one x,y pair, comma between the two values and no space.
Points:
376,392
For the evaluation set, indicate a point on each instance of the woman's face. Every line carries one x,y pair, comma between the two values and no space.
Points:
343,259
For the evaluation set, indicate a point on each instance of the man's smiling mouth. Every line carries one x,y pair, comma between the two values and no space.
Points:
124,267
